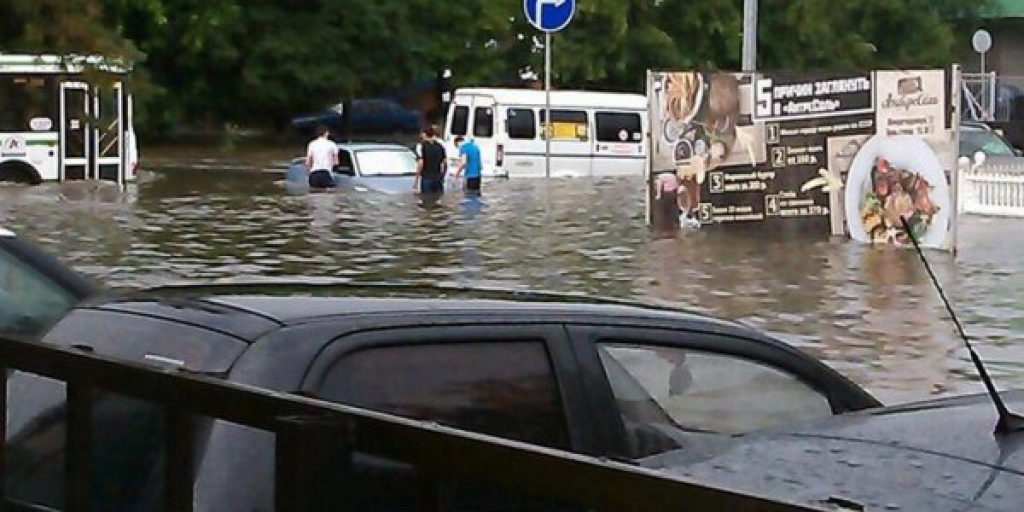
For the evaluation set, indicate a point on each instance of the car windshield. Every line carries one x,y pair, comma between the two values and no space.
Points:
30,301
386,162
972,141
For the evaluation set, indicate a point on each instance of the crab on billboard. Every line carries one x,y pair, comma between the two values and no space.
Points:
812,153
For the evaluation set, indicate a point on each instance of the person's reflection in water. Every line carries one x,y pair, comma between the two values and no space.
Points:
471,205
472,262
430,201
323,212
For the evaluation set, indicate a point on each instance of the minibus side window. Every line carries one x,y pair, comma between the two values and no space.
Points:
460,120
522,124
612,126
568,125
483,122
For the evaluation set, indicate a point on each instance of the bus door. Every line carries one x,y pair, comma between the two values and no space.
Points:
618,143
108,139
75,135
456,124
483,124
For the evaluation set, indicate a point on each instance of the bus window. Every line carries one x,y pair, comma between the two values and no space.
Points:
567,125
618,127
23,98
483,122
522,124
460,120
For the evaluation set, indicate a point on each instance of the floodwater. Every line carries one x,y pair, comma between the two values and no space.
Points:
870,312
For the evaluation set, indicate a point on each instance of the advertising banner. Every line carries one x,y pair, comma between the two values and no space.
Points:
818,153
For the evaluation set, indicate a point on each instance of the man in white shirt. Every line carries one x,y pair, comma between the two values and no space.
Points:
321,159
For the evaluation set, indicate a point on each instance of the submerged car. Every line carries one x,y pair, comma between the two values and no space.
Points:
592,377
365,166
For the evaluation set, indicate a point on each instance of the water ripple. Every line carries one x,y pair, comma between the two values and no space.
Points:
870,312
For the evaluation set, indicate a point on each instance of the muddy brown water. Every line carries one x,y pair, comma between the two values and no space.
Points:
870,312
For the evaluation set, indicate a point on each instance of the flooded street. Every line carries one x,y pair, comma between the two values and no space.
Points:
870,312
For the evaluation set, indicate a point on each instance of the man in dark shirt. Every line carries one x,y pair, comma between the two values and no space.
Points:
431,163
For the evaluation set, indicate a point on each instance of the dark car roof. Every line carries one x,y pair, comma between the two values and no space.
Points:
938,455
249,310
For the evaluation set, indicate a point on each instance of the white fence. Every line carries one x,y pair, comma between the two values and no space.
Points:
992,189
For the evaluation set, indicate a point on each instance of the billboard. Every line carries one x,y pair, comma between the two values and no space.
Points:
816,153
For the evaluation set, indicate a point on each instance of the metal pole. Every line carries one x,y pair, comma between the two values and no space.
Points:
749,35
548,130
954,100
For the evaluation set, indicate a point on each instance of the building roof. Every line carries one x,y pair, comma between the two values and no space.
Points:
1001,9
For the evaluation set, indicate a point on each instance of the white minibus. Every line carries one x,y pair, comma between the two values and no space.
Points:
593,133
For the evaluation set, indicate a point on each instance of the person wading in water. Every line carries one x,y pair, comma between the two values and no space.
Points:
431,163
321,158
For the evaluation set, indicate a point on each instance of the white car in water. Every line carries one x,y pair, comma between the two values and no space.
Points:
365,166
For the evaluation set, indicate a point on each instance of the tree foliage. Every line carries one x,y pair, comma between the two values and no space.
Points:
263,61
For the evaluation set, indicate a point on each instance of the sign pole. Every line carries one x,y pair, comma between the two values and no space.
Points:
548,16
749,35
548,127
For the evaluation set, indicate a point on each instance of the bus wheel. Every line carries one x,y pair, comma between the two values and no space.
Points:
19,172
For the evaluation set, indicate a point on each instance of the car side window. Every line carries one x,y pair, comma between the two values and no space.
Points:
504,389
29,301
345,165
705,391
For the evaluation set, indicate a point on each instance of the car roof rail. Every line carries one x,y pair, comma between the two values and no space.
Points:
497,292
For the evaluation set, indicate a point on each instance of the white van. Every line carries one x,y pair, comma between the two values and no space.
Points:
594,133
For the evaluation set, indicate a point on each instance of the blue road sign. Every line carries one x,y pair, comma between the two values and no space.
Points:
549,15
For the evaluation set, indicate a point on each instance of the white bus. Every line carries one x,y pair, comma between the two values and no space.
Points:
65,118
594,133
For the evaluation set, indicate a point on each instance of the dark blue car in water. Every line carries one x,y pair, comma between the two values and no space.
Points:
373,116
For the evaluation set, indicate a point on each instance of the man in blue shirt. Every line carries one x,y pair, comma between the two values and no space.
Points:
471,164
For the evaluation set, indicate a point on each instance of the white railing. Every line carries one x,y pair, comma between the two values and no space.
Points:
992,189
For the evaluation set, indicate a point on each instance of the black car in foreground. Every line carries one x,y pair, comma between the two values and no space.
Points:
678,392
601,379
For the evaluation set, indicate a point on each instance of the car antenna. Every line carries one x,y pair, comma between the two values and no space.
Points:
1008,421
